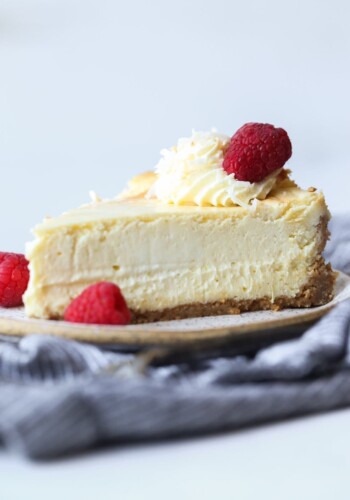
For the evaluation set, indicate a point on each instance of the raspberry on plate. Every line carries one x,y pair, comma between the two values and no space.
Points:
14,277
256,150
101,304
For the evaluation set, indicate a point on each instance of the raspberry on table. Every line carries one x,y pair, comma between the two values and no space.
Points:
101,304
256,150
14,277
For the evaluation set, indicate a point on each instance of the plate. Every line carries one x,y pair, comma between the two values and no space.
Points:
169,333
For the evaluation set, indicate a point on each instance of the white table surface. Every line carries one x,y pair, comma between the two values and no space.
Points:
306,458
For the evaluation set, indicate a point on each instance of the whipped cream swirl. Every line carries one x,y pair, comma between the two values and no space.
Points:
191,173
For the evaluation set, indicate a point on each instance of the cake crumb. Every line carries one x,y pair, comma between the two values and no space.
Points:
312,189
234,310
275,307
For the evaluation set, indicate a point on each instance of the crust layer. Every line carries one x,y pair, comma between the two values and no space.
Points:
319,290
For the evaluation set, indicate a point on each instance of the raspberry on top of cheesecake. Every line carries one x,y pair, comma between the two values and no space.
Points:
217,228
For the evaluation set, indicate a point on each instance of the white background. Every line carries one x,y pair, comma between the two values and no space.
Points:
305,459
90,91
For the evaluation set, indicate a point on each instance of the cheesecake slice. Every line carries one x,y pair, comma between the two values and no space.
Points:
188,240
185,261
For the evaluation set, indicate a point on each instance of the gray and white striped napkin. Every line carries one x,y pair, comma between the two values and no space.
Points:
59,396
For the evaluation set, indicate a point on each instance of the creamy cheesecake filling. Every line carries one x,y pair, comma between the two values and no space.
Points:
163,258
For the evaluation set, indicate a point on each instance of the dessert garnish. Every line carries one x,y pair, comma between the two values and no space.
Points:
210,169
256,150
102,304
14,277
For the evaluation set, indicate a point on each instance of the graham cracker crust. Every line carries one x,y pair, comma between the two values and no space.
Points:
317,291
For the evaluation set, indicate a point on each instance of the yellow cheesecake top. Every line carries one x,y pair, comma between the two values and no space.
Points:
286,200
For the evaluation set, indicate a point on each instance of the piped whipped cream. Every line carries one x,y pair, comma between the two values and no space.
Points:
192,173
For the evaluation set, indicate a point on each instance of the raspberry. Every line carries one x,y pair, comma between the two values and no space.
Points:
101,304
256,150
14,277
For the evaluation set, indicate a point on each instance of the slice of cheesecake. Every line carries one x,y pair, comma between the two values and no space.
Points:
179,261
218,228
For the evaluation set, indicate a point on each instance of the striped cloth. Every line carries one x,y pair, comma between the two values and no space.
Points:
59,396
